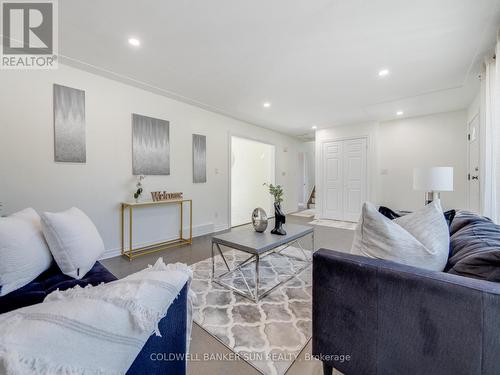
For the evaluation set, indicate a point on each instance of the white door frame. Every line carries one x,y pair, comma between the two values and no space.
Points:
230,135
302,178
478,116
319,189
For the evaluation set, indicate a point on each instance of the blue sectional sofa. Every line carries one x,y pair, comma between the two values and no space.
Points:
172,344
373,316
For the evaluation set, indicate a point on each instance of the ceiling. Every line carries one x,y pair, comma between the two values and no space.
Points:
315,61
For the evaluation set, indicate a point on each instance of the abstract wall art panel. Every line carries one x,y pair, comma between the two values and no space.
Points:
199,158
150,146
69,125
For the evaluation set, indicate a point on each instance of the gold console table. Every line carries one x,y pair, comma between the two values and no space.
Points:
132,253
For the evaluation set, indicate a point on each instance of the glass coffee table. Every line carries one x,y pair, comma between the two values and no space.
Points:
273,258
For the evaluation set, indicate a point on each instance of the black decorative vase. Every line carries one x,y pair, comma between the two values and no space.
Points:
279,220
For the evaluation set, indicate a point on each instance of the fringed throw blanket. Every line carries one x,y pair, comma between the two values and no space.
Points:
92,330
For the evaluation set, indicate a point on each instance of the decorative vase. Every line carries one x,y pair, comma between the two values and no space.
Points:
140,190
279,220
259,220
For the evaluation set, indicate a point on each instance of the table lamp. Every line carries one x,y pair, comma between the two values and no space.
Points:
433,181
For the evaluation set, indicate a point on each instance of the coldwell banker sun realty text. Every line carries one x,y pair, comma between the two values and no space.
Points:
29,34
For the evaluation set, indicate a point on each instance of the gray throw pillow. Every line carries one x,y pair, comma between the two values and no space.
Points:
420,239
475,244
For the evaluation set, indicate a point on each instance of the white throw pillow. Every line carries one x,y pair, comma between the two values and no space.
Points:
73,240
24,254
420,239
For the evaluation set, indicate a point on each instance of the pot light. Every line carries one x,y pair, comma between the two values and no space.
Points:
314,127
266,104
383,73
399,113
134,42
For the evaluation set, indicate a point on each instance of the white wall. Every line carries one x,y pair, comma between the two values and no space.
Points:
396,147
474,108
435,140
30,177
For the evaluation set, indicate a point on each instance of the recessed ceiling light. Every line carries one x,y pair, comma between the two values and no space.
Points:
383,73
400,113
266,104
314,127
134,42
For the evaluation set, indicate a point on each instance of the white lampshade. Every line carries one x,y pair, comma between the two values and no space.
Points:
433,179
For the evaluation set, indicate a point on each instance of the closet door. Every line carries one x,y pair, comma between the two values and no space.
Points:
354,178
333,181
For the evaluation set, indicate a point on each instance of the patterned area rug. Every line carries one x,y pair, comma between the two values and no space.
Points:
268,335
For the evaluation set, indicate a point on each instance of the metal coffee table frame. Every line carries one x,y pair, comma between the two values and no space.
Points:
254,295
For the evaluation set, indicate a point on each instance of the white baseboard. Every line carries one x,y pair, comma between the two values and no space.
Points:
111,253
199,230
221,227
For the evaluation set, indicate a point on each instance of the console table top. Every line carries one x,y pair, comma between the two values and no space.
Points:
153,203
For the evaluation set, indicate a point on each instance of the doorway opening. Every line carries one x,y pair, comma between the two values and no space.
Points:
306,176
252,165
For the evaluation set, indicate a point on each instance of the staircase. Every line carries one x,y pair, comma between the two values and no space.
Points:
311,203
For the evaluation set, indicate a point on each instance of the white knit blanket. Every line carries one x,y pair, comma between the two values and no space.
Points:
92,330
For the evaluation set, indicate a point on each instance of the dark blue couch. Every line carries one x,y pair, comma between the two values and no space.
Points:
373,316
171,346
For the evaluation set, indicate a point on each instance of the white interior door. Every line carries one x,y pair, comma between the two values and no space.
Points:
354,178
344,179
474,179
333,180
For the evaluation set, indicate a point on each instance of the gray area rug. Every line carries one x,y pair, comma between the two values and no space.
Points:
268,335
